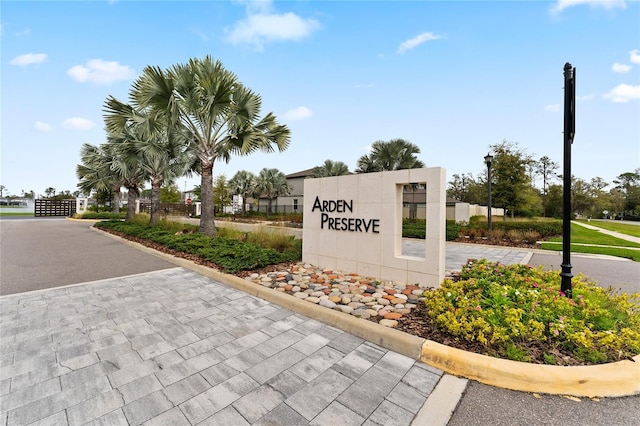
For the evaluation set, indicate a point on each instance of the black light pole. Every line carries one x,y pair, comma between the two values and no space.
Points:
569,131
488,159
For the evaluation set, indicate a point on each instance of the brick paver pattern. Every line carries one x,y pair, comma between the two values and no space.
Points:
174,347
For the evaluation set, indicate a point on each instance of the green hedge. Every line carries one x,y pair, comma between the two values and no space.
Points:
229,254
545,229
103,215
416,228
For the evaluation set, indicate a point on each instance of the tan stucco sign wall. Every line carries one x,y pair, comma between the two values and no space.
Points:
354,224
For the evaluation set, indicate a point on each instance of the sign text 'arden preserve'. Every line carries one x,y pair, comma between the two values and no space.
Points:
353,224
339,223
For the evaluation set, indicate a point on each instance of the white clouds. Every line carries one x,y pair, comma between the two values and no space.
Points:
299,113
589,97
100,72
24,33
623,93
29,59
258,29
416,41
620,68
77,123
634,56
41,127
561,5
552,108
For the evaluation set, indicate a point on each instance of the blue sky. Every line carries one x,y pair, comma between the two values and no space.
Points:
451,77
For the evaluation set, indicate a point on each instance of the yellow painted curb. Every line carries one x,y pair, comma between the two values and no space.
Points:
606,380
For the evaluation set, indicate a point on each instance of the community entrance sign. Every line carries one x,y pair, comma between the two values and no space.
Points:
353,223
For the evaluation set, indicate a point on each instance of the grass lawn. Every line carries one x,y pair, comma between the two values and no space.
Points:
623,228
16,213
611,251
583,235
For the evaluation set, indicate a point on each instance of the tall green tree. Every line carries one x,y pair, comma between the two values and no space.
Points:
271,184
221,196
170,193
554,201
468,189
546,169
396,154
510,182
243,183
629,184
330,168
220,114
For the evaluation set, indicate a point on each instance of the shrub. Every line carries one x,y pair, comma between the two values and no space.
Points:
514,236
414,228
102,215
496,235
510,308
530,237
230,254
543,228
452,230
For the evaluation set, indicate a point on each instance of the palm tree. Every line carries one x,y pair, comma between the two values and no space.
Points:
330,168
161,151
124,164
50,191
94,173
396,154
271,184
221,116
243,184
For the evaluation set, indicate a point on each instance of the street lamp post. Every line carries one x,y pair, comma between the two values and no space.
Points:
569,132
488,159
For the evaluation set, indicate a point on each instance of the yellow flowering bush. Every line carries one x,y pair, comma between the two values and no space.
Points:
517,309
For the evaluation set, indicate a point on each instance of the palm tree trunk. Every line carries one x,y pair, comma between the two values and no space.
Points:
244,204
115,199
156,183
207,217
132,196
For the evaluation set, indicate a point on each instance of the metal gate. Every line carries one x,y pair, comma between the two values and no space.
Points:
44,207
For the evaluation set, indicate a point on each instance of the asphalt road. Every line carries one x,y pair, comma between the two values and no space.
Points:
620,274
44,253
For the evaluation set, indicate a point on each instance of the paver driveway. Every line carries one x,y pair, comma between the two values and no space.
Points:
173,347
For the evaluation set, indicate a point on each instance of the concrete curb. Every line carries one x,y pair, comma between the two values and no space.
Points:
607,380
620,378
442,402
